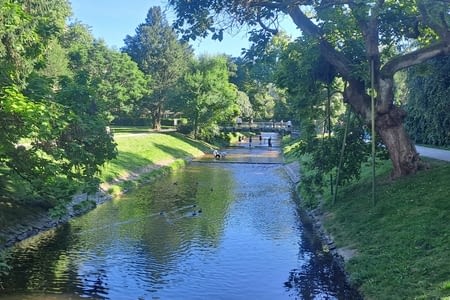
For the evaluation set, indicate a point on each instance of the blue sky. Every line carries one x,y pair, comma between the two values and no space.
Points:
112,20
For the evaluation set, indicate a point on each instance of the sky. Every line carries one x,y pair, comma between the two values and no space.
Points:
113,20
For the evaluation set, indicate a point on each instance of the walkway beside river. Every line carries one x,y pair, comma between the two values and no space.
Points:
439,154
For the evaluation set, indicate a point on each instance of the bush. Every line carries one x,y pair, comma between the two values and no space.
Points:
185,128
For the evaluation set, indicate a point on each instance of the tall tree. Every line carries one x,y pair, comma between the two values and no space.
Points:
354,37
208,96
158,53
102,80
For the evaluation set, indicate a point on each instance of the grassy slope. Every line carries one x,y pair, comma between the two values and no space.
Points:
403,242
140,150
135,152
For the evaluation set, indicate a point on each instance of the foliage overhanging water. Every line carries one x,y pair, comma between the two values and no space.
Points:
210,231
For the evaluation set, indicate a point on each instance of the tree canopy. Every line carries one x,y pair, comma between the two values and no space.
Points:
207,95
428,103
58,90
352,36
158,53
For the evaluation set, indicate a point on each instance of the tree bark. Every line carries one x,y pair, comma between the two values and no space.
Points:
388,125
156,117
402,152
388,117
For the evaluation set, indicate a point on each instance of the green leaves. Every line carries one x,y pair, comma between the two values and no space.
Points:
159,54
428,106
208,96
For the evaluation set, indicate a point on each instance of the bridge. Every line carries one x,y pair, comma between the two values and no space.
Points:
280,127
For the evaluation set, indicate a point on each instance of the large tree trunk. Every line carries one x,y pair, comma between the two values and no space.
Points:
389,118
388,124
402,152
156,118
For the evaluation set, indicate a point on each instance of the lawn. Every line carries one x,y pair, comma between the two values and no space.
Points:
140,150
403,241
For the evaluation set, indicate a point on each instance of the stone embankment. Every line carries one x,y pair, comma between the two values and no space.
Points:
41,221
317,217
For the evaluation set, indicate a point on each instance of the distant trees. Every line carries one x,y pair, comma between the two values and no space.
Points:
159,54
112,80
255,77
207,96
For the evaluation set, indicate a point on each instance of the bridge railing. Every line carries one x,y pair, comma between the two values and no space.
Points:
255,126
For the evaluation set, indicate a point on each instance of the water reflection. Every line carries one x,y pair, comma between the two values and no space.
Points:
212,231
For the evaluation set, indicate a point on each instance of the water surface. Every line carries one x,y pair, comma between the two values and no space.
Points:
211,231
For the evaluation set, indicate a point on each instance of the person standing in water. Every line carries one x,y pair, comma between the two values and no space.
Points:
269,141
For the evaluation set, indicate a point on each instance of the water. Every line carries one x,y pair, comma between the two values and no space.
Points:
211,231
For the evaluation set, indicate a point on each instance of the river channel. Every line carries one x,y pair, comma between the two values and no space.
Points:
227,229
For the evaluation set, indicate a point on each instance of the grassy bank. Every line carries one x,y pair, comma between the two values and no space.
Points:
402,242
137,151
149,154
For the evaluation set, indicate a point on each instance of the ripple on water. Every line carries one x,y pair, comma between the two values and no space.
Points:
246,243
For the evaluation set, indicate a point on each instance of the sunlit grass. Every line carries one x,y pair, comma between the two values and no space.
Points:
138,151
403,242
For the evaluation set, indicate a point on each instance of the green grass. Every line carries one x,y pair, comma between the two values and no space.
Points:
403,242
135,152
139,151
121,130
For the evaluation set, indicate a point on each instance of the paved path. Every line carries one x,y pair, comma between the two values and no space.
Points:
434,153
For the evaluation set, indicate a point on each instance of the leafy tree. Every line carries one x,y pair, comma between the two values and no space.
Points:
208,96
103,81
158,53
354,37
26,31
245,106
312,90
428,103
255,76
54,112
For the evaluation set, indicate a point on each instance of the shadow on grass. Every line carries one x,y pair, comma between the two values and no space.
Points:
131,129
203,146
124,161
174,152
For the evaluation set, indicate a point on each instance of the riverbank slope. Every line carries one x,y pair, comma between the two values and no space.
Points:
398,247
144,155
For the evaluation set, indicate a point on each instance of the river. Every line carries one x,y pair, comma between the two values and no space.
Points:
228,229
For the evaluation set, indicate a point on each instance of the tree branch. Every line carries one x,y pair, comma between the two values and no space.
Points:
334,57
414,58
267,28
433,20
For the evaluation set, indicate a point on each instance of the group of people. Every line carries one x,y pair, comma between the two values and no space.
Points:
250,140
221,154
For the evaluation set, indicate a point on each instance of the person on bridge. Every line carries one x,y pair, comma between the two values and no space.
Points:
250,142
260,139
